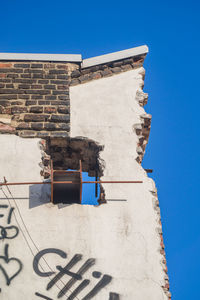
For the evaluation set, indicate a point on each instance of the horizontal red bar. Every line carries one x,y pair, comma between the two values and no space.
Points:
67,182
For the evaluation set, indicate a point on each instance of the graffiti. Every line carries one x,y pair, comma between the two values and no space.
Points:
40,254
7,260
8,232
73,261
75,276
4,232
83,269
3,206
106,279
10,215
113,296
96,274
42,296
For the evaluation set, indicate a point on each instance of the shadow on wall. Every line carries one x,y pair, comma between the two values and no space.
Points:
41,194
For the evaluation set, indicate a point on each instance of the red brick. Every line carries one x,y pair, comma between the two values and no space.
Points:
96,76
5,110
6,128
62,67
62,87
50,109
5,65
162,245
23,126
167,286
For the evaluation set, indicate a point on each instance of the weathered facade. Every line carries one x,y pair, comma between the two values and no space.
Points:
65,109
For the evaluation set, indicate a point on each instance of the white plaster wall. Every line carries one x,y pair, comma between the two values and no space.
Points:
106,111
121,236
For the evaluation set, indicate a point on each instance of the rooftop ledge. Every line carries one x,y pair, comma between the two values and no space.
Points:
41,57
119,55
85,63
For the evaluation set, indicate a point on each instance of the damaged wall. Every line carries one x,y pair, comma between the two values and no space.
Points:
124,132
117,246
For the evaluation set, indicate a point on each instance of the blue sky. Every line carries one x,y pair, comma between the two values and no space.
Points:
171,30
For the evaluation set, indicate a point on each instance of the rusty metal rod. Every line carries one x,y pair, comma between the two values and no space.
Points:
24,183
149,170
106,181
66,182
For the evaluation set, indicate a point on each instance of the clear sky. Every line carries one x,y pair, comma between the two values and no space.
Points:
171,30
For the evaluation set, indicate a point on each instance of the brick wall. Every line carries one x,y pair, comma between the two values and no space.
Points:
106,70
34,98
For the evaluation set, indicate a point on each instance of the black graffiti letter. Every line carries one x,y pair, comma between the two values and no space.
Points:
83,269
72,262
100,285
42,296
4,232
39,256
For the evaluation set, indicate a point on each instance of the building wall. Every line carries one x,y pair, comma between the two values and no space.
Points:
120,241
34,97
108,111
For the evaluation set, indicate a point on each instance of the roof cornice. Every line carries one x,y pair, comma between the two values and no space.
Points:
85,63
41,57
119,55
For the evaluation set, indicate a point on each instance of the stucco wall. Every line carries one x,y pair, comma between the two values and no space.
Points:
121,236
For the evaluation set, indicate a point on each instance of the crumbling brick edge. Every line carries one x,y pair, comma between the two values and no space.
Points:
142,129
163,262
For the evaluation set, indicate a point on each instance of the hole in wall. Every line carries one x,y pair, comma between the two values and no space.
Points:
66,155
91,192
70,193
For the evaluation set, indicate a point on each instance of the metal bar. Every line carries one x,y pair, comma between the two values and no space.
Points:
23,183
51,180
96,188
81,180
96,185
66,182
96,179
106,181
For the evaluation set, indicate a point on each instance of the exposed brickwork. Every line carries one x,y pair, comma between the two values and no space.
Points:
35,95
106,70
36,98
142,130
4,128
161,249
66,154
